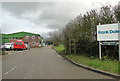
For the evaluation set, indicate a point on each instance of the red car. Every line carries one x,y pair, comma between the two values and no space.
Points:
19,45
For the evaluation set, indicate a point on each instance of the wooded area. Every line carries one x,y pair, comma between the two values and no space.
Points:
83,29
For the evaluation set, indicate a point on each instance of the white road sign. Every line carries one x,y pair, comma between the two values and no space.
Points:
108,32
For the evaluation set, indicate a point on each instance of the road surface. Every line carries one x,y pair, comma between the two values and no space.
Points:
43,63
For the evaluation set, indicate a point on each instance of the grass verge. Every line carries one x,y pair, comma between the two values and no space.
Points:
4,53
105,65
59,48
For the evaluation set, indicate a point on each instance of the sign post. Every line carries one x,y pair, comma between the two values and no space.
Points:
99,50
119,41
107,33
119,50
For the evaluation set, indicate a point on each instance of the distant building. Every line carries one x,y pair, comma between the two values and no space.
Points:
32,39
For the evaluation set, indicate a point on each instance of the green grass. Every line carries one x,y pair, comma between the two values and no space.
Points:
105,65
59,48
4,53
40,46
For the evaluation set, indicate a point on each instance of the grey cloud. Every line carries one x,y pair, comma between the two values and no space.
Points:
53,14
49,15
19,8
56,16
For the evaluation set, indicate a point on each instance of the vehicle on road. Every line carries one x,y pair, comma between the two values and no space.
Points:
2,47
7,46
19,45
12,46
27,46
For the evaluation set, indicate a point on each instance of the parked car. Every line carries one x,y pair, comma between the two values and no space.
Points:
19,45
2,47
12,46
27,46
6,46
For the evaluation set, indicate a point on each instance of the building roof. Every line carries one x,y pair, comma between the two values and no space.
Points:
18,34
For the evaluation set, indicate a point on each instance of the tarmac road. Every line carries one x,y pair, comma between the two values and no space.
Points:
42,63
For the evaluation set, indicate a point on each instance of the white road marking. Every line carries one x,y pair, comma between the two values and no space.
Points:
10,70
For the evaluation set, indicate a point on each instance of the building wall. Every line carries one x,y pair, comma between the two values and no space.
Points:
13,40
32,41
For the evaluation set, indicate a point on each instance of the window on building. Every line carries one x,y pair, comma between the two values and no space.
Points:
14,37
10,38
38,37
27,37
33,43
33,37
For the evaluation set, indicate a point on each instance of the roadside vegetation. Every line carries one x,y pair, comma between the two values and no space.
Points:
59,48
4,53
105,65
80,34
78,39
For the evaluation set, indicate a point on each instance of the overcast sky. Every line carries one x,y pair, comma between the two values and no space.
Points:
43,17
